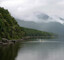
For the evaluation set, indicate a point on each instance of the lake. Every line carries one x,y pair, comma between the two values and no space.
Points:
34,49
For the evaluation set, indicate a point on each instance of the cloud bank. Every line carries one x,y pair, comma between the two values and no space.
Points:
24,9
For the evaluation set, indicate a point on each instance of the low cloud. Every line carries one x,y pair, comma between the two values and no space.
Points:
24,9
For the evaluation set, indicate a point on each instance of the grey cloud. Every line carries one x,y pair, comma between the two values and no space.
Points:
24,9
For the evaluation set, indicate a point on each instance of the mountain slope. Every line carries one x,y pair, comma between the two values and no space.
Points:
8,26
10,29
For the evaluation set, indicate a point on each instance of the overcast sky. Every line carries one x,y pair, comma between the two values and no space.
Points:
20,8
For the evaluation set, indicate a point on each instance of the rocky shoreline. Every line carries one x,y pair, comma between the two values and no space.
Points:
5,41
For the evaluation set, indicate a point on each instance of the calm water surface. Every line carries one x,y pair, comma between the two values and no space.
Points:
37,49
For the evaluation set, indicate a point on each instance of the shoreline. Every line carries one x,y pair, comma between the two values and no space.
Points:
9,42
5,41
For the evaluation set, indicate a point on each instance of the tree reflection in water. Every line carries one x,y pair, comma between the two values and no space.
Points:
9,52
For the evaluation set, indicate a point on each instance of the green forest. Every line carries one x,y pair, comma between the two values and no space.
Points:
10,29
33,32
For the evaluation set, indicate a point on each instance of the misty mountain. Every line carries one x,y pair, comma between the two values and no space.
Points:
42,16
61,18
52,23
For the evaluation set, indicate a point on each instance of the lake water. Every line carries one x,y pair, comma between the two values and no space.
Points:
36,49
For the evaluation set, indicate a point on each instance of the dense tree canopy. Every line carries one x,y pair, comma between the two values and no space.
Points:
8,26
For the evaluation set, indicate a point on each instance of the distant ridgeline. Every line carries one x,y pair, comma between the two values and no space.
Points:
10,29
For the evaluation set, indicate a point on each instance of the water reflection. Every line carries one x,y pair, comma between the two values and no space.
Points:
41,51
9,52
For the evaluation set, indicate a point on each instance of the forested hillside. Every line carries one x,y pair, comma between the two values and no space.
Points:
10,29
8,26
33,32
